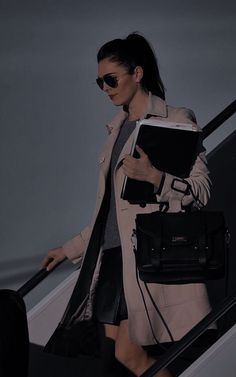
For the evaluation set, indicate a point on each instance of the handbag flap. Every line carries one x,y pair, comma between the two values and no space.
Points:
180,228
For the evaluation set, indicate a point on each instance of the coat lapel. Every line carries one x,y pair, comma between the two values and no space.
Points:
113,128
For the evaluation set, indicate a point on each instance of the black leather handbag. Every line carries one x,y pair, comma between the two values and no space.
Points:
181,248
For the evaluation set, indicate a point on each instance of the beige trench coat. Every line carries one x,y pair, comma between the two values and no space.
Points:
182,306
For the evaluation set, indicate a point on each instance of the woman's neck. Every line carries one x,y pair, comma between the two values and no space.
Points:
138,106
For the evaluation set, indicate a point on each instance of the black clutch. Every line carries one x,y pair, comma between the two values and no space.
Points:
180,248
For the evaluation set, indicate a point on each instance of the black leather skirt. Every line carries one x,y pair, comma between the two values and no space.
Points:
109,302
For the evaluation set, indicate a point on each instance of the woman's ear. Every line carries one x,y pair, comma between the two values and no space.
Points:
138,71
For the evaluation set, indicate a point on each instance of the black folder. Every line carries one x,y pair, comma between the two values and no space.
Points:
171,147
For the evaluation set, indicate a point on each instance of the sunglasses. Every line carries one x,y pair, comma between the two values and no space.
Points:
109,80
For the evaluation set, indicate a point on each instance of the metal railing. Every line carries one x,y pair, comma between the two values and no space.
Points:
30,284
216,122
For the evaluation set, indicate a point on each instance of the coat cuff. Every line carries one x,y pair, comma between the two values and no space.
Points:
172,184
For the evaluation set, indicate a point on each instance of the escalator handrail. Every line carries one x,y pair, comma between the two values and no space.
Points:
216,122
30,284
172,353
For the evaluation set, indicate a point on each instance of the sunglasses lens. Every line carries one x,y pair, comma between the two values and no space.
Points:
100,82
109,80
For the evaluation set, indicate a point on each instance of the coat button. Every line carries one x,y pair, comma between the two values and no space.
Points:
142,205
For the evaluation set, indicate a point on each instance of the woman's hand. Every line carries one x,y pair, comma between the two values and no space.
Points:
141,168
53,257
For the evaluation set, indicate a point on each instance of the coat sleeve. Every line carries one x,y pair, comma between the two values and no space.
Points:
75,248
193,190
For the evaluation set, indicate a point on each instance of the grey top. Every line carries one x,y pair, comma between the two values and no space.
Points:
111,233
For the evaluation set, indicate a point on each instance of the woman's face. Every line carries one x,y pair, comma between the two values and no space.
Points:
127,84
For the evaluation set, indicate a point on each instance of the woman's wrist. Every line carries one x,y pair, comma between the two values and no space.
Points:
155,176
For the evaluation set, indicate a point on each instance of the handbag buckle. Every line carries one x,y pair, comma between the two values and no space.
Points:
179,239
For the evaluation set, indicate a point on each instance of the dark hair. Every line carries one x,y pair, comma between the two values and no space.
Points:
135,51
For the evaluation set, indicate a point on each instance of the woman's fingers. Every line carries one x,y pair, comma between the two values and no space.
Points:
137,168
53,263
140,151
54,257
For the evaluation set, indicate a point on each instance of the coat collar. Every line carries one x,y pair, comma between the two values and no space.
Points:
156,107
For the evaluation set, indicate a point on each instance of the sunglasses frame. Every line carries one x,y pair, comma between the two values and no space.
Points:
109,79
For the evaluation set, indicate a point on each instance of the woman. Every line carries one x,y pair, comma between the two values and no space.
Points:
128,73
